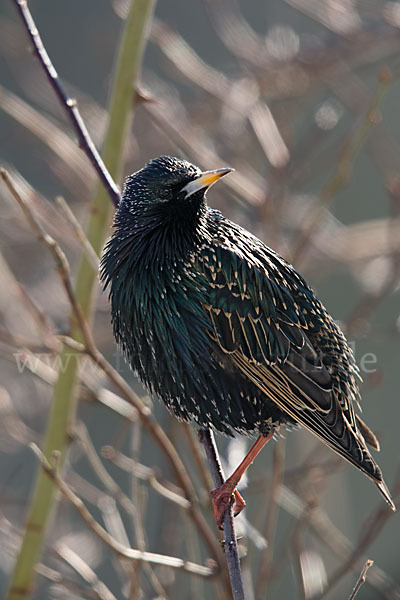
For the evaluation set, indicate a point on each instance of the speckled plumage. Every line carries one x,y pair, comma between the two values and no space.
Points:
221,327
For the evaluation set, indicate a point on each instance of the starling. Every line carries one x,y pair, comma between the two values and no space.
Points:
222,328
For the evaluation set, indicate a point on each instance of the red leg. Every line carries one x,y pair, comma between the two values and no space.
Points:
222,495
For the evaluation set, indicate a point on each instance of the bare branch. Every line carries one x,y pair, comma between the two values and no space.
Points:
69,104
78,231
207,439
85,571
129,553
344,166
92,351
362,579
272,517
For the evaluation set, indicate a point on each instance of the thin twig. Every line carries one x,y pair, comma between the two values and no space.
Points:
92,351
272,518
78,231
334,539
64,397
231,549
198,457
117,404
163,441
43,321
137,521
160,437
69,104
146,474
77,563
120,549
66,585
83,135
82,435
370,531
344,167
340,545
250,188
51,135
44,237
362,579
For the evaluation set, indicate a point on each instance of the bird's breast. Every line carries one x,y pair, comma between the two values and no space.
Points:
160,324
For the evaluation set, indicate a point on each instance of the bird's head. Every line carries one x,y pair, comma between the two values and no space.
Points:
168,185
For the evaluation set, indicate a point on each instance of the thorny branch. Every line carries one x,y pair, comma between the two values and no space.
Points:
207,439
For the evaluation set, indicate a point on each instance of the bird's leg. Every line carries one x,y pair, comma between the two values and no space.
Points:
222,495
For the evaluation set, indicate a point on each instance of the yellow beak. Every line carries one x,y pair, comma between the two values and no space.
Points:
205,180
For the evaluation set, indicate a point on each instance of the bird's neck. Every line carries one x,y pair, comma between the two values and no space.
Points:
160,240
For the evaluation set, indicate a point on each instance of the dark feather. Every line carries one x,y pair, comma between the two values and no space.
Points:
221,327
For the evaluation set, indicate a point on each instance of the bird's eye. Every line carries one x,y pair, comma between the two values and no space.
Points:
165,193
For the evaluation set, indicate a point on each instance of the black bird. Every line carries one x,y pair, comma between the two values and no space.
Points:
221,327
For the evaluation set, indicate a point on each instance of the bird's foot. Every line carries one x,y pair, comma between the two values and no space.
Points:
239,505
221,498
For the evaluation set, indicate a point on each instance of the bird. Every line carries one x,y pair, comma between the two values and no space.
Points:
223,329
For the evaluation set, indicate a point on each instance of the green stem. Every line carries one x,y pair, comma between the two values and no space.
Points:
64,397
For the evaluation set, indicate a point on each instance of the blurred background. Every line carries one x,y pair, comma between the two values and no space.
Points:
302,98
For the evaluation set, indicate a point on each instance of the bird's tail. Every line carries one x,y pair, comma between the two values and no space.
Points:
384,490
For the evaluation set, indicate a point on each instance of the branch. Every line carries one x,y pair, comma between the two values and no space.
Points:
146,474
207,439
81,567
45,238
120,549
78,231
69,104
64,398
342,175
264,569
199,459
362,579
371,530
134,28
127,393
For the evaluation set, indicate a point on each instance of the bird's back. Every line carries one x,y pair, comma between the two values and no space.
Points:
276,332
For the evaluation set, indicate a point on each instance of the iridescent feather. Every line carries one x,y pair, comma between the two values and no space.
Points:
222,328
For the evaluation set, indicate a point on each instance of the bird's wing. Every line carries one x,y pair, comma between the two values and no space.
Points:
266,318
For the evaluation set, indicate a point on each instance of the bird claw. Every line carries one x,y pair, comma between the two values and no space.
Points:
221,498
239,505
